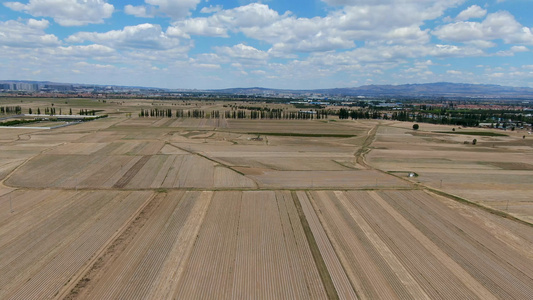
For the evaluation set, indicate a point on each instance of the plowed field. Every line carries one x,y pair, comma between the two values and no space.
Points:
182,208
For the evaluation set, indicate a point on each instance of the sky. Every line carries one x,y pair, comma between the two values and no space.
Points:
296,44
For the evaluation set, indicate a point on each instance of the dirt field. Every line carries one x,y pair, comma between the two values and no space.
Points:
167,208
496,172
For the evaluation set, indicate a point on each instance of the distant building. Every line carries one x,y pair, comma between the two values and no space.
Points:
58,87
19,86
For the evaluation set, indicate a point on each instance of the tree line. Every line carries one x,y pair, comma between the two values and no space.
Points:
237,114
447,117
10,110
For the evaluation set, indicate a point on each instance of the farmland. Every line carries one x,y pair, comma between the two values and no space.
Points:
182,208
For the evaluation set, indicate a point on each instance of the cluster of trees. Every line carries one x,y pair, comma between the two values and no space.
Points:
17,122
238,114
361,114
51,111
465,118
86,112
10,109
156,112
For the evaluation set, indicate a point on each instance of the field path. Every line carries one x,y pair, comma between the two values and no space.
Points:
365,148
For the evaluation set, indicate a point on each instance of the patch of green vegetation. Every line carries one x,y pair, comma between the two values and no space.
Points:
303,134
479,133
303,105
17,122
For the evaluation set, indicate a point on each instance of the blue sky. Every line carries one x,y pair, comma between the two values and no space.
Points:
273,43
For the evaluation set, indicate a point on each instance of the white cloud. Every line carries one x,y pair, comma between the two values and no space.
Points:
197,26
26,35
91,51
176,9
242,51
207,66
500,25
138,11
338,30
496,75
86,65
254,15
143,36
67,12
472,12
519,49
512,51
482,44
38,24
454,72
211,9
363,2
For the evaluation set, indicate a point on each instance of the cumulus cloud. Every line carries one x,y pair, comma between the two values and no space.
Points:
138,11
143,36
471,12
242,51
197,26
519,49
67,12
82,51
454,72
211,9
500,25
248,17
176,9
338,30
26,35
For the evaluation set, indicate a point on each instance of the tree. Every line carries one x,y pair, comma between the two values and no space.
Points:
474,141
343,113
415,127
29,111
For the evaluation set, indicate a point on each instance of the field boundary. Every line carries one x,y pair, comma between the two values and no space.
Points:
79,281
490,210
365,148
326,135
216,162
3,181
128,176
315,251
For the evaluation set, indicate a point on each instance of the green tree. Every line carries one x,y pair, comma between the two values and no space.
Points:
415,127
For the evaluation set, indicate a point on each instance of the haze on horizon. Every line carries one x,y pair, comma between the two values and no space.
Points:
276,44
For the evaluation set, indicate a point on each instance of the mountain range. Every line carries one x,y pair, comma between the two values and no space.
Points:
439,89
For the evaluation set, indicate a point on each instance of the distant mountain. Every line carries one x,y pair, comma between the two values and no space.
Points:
439,89
445,89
